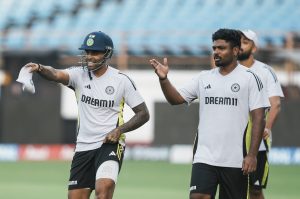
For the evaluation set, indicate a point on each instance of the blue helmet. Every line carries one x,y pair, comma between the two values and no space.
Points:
98,41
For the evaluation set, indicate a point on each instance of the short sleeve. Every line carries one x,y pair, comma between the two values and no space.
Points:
132,96
190,91
74,75
257,93
273,85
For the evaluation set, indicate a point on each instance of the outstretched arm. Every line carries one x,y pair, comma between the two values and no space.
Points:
258,123
170,92
141,117
49,73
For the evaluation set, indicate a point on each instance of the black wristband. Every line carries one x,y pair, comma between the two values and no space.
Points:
39,68
162,79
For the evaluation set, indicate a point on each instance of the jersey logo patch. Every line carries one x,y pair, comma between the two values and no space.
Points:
87,86
74,182
109,90
235,87
112,153
207,87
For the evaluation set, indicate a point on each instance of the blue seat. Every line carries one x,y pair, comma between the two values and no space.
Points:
153,25
15,39
39,35
43,9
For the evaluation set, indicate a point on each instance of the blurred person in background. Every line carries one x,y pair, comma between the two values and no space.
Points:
101,93
249,45
227,94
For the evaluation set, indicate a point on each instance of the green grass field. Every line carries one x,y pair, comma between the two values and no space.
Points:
138,179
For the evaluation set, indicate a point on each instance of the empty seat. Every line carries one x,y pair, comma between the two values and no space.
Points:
149,26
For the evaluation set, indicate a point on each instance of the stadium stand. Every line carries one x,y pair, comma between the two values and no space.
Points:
153,27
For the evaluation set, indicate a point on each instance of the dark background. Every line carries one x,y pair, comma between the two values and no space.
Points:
27,118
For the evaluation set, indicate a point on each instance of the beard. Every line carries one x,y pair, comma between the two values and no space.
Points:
218,61
244,56
223,62
218,64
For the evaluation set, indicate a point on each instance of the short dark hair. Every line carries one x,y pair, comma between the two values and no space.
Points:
230,35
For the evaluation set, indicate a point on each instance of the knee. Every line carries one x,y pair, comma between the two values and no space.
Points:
105,190
102,194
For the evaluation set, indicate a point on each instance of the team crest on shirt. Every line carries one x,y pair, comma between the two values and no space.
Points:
235,87
109,90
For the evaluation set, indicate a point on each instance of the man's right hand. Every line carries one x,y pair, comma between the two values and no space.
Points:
49,73
33,67
249,164
160,69
266,134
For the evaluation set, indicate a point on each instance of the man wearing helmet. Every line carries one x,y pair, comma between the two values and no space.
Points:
93,44
101,92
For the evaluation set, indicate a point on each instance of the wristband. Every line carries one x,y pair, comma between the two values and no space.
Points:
39,68
162,79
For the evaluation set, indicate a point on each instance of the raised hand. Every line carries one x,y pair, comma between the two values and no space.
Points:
160,69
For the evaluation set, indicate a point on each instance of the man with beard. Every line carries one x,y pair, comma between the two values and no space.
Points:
101,93
226,93
249,45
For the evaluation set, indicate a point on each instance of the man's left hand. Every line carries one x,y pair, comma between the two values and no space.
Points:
266,134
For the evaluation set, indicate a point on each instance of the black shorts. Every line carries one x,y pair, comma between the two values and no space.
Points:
258,179
85,164
206,178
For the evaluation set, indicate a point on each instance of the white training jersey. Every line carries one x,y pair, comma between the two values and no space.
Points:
225,103
271,84
100,103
